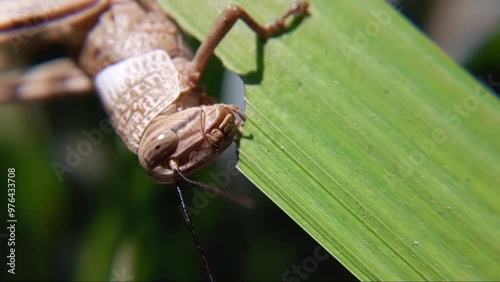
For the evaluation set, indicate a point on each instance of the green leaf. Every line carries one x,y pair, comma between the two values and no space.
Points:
367,135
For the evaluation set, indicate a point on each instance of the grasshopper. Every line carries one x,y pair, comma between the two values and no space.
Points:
133,55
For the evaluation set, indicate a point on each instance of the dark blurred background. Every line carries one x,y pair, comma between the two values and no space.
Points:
106,220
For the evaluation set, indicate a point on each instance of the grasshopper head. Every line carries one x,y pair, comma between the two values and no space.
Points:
188,140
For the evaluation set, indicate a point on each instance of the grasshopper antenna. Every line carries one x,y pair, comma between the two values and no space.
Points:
237,198
187,219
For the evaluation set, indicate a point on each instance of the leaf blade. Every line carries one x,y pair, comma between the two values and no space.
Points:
383,150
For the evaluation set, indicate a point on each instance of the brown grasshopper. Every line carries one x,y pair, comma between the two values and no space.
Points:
133,55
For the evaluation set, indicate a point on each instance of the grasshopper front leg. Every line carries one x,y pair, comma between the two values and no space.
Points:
223,25
228,18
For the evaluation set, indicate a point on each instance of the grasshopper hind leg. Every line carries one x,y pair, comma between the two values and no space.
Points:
54,79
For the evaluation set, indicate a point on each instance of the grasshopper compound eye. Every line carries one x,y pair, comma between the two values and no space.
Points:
159,144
